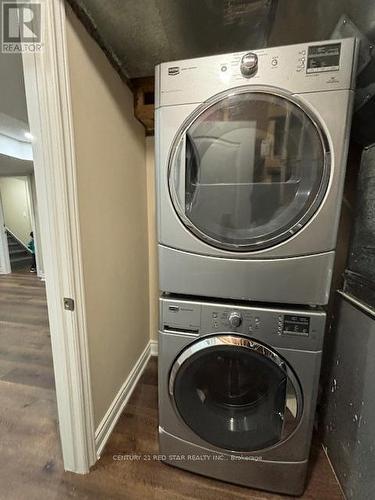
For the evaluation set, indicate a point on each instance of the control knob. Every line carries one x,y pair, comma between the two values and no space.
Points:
249,64
235,319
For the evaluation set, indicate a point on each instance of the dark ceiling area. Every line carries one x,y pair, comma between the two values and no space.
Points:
136,35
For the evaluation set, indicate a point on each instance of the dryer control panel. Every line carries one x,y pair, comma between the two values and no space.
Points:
282,327
307,67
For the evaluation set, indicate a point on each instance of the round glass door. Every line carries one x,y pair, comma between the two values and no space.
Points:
248,170
235,393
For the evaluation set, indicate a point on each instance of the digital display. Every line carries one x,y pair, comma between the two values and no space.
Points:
323,58
296,325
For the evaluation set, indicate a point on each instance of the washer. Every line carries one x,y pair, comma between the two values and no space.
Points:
251,150
237,391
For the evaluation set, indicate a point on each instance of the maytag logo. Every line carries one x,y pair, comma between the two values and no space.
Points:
173,70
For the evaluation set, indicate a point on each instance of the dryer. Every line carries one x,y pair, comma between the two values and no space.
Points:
251,152
237,390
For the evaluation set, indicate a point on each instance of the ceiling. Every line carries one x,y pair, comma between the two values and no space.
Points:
13,118
12,86
10,166
137,35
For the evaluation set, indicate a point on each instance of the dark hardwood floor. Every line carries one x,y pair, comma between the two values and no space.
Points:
30,459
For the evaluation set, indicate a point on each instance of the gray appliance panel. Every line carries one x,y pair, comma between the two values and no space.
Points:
299,280
280,468
279,476
350,407
360,272
304,359
306,366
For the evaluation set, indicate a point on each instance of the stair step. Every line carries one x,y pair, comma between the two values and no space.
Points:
17,251
20,264
21,257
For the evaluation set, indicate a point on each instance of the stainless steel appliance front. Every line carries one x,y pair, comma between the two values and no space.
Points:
250,169
238,385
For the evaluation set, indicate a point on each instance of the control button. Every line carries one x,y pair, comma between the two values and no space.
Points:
224,68
249,64
214,315
274,61
235,319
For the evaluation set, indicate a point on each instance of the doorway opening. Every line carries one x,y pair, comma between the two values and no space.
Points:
43,349
20,243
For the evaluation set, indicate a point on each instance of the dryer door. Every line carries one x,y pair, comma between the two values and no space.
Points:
248,169
235,393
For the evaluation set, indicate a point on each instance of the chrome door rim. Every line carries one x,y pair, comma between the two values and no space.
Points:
255,346
308,214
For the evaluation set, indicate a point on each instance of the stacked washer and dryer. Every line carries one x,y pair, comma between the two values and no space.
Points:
251,151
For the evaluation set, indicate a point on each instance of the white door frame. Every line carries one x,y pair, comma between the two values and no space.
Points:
34,218
49,109
4,250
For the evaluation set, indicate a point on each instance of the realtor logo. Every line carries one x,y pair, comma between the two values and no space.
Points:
21,29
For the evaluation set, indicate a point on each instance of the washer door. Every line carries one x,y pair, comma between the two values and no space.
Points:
248,169
235,393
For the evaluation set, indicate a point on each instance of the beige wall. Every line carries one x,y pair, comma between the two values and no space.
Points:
153,260
112,191
16,207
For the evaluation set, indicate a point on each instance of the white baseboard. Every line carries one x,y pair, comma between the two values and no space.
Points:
154,347
117,406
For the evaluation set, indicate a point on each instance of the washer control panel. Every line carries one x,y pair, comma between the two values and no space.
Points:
241,320
303,328
295,325
235,319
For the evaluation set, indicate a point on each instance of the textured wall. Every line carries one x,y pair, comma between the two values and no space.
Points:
350,411
360,276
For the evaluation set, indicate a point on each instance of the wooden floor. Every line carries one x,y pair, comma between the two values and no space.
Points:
30,461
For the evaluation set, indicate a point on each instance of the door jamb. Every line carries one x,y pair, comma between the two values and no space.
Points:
50,119
4,249
32,209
